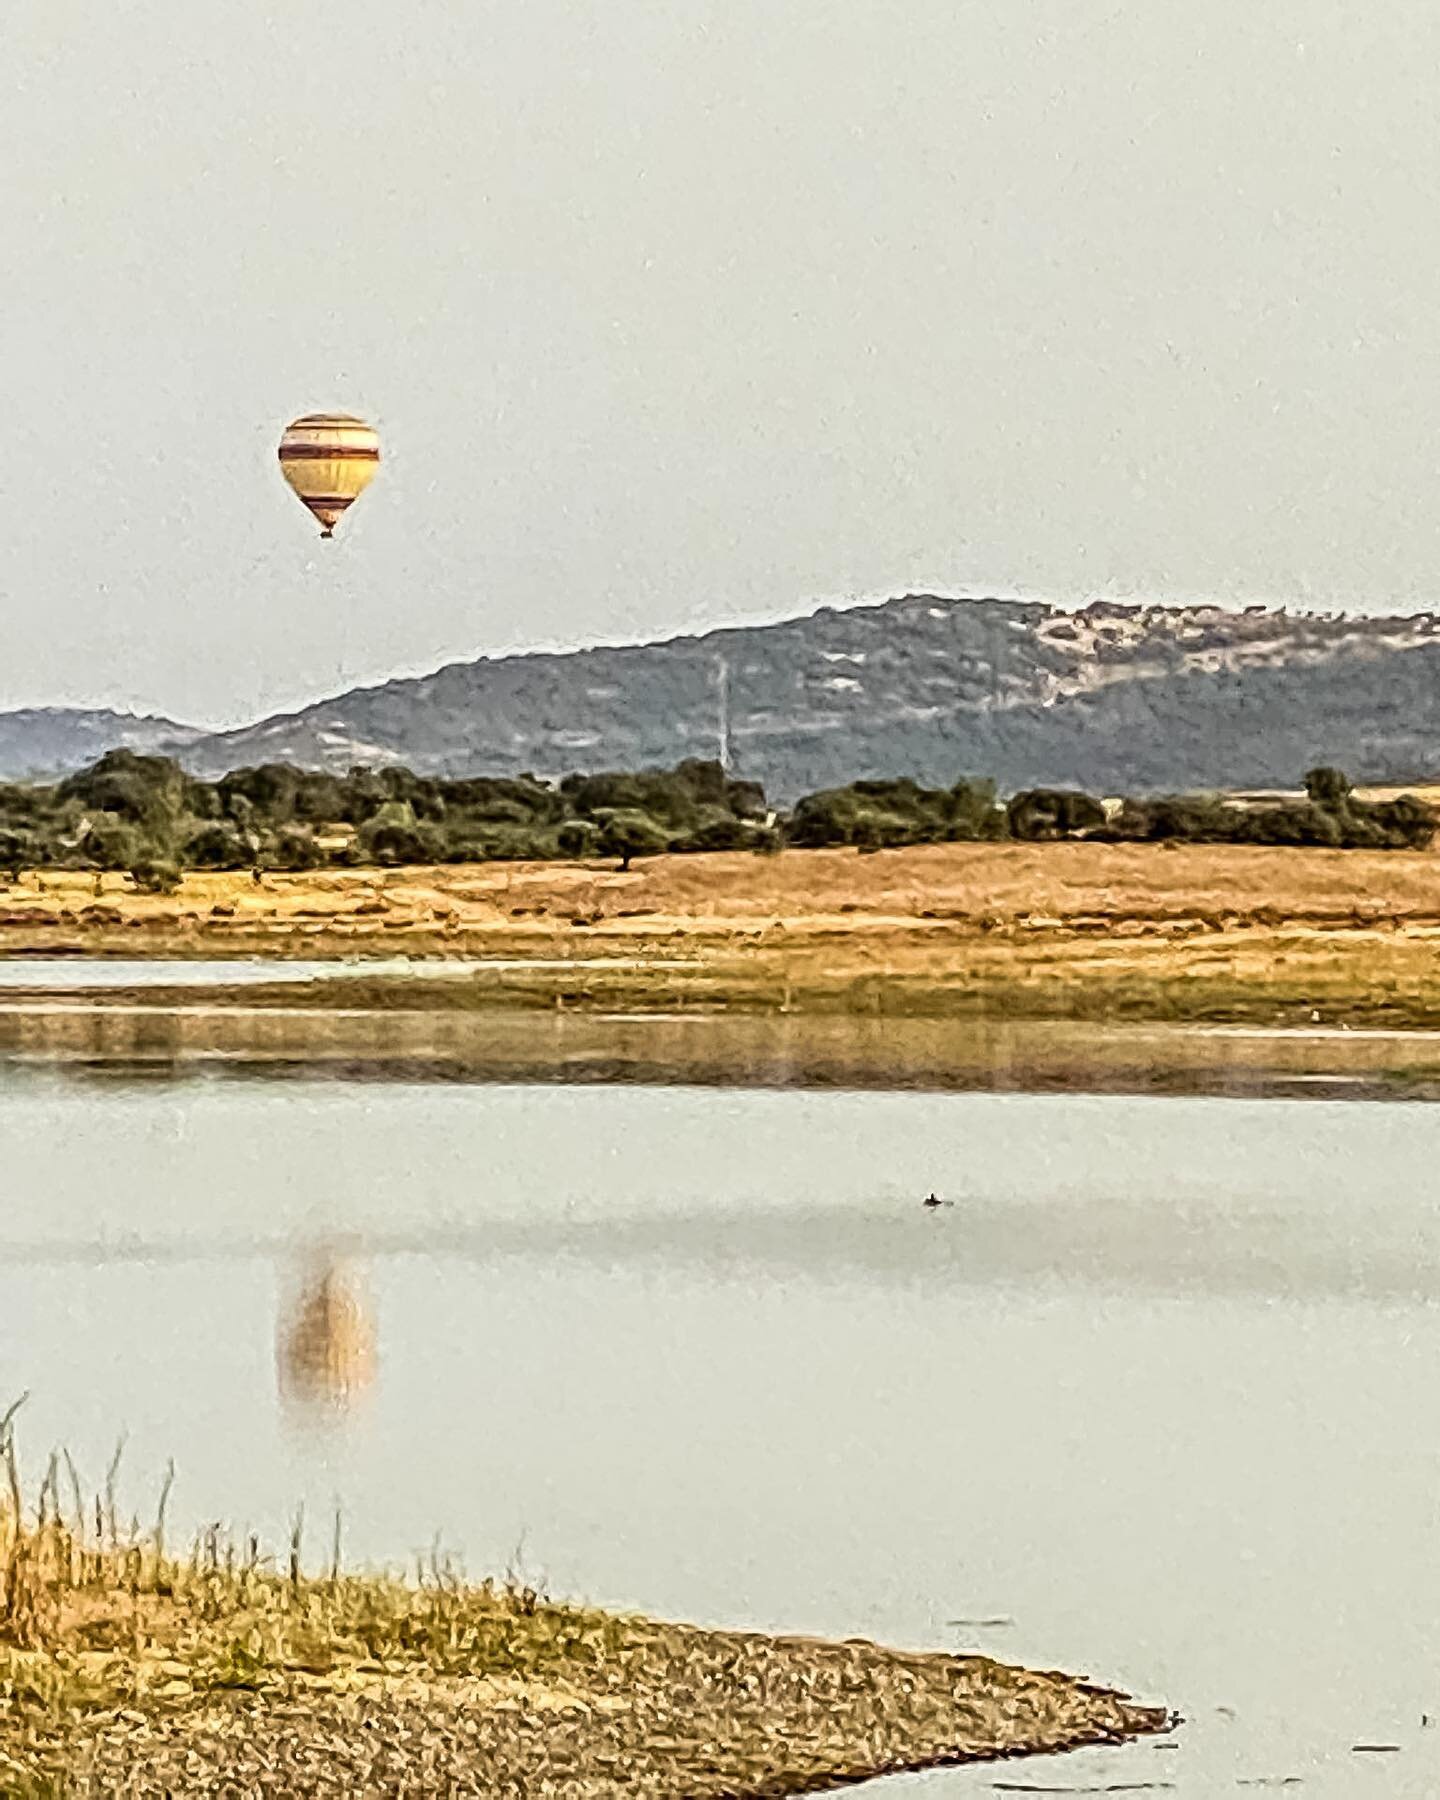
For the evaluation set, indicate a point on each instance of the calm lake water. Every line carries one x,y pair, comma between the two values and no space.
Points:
1157,1400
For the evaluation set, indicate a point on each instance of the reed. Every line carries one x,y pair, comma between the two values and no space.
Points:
82,1584
125,1667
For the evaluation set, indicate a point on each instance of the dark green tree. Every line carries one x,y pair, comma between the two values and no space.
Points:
394,836
155,875
149,792
717,829
1328,788
219,845
17,853
110,842
293,847
628,834
578,837
1041,813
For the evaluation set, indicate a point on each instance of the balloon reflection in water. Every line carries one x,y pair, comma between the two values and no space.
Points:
326,1348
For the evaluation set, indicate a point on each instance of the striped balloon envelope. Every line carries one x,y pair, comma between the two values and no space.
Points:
329,459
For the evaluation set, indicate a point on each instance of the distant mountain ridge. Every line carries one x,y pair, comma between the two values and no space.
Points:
39,743
1110,697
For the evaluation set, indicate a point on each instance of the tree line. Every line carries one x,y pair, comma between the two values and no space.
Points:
147,816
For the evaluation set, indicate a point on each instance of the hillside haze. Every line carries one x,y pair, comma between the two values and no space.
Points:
42,742
1110,698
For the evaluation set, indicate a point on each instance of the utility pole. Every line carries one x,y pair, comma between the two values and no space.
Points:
722,708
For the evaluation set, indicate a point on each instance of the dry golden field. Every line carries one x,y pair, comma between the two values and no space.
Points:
1055,930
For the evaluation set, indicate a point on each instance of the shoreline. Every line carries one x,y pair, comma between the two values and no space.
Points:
128,1670
1202,935
713,1716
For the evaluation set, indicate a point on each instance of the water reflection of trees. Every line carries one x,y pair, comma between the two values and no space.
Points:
326,1347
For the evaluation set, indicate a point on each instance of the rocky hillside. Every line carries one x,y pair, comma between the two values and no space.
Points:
1110,698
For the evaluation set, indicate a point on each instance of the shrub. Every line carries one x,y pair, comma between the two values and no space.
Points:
492,797
155,875
1040,813
218,846
874,829
821,819
146,791
395,837
1327,788
1300,824
877,814
1403,824
579,837
17,853
719,831
113,843
294,847
973,812
505,843
628,834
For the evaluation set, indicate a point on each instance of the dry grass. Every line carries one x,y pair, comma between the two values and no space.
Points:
970,882
125,1669
1065,930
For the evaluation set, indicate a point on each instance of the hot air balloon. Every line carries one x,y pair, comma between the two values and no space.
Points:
329,459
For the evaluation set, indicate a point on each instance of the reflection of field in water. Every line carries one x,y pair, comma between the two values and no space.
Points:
95,975
729,1049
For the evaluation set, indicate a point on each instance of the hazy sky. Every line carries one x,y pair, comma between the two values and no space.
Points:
675,312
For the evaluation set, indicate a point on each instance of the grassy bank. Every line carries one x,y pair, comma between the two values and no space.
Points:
126,1669
1085,931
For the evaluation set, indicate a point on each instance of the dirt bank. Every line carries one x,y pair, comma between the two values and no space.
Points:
126,1672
